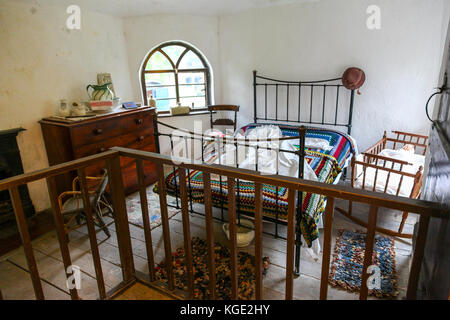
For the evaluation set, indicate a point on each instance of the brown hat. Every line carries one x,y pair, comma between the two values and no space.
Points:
353,78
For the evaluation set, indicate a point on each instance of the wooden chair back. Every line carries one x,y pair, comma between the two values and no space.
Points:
222,121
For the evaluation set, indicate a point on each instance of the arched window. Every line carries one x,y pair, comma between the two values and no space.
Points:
176,72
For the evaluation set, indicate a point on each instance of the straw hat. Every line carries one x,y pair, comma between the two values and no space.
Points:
353,78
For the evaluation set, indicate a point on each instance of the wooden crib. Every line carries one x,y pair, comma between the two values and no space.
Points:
384,169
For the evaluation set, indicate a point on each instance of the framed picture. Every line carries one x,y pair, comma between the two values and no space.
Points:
103,78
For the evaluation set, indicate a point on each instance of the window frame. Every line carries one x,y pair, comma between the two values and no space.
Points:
206,71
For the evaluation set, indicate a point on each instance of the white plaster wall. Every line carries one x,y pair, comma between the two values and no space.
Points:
321,39
42,62
144,33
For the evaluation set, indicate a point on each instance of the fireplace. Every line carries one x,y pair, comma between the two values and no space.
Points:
11,165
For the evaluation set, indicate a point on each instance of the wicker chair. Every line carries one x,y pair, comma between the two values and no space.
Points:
73,210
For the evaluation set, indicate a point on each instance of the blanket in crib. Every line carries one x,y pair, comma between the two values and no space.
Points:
327,164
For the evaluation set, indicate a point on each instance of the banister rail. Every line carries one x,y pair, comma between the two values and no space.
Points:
422,207
425,209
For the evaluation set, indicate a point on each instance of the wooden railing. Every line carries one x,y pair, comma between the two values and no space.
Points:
426,210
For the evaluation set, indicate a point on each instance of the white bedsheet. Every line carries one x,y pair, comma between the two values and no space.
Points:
269,161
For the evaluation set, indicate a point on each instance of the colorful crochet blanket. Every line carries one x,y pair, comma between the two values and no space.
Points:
326,164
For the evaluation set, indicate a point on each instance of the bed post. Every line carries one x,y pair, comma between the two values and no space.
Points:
254,97
155,129
350,113
298,218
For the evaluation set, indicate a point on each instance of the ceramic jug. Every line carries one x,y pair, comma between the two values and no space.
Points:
100,92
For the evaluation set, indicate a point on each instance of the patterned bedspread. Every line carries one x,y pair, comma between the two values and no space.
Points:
327,164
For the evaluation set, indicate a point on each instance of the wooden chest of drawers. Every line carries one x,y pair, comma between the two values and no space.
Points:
66,141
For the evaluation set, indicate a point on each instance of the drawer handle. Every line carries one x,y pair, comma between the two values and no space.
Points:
139,121
98,131
141,138
102,150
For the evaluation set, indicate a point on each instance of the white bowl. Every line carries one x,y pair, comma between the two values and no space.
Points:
243,238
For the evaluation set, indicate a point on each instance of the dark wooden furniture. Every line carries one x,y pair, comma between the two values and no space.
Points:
223,122
11,165
66,141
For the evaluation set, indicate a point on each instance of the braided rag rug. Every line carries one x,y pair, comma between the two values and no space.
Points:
327,164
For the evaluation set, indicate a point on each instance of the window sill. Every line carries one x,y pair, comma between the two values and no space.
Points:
192,113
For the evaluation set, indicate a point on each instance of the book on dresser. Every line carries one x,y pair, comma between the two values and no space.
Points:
66,141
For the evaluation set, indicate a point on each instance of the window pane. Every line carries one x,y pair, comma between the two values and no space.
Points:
190,61
174,52
199,102
165,104
158,62
192,90
191,77
162,85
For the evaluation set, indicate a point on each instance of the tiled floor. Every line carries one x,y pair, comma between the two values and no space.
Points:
15,281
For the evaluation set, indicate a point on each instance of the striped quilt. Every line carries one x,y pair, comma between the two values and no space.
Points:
326,164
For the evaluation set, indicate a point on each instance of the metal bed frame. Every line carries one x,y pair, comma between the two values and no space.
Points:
267,83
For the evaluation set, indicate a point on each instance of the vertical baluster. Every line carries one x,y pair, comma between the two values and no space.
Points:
220,184
265,100
121,218
175,173
323,104
146,219
60,230
91,232
417,259
26,242
238,185
165,223
233,236
311,104
290,245
276,102
299,101
329,212
337,104
186,232
370,239
258,240
287,106
189,176
210,235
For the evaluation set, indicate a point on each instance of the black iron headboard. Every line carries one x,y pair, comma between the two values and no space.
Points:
306,88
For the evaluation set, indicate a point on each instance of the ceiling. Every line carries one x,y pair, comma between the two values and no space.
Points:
127,8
